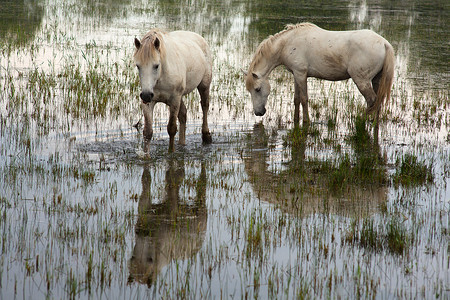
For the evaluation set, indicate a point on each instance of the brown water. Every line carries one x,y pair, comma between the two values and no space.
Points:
262,212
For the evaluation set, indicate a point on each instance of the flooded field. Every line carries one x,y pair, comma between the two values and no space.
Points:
267,210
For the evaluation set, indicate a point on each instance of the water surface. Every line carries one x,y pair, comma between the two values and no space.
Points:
258,213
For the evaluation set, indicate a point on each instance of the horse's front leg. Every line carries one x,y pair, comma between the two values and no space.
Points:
172,125
182,116
147,108
204,96
300,96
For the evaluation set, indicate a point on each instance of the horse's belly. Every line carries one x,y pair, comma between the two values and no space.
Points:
329,74
193,79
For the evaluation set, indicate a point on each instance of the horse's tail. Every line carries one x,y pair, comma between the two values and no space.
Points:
387,77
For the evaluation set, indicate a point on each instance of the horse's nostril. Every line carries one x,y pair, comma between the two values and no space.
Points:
146,96
261,112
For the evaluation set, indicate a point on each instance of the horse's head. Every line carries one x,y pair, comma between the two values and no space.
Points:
259,88
147,57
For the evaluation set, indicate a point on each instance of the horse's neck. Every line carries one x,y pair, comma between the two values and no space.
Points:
271,60
171,58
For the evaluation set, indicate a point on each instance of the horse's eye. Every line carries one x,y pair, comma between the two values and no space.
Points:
258,89
138,67
155,67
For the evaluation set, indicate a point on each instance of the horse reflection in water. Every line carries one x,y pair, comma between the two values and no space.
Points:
169,230
301,187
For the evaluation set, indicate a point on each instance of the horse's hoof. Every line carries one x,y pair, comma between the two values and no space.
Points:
370,109
148,134
206,137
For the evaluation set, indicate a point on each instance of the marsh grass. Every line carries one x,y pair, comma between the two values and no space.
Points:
364,167
254,237
411,172
390,235
296,136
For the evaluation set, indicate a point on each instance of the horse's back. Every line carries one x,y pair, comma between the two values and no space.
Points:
188,40
350,43
194,51
365,51
329,54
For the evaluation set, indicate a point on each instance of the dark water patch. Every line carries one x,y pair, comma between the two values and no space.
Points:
19,22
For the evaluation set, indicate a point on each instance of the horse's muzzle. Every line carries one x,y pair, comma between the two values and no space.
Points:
146,96
260,112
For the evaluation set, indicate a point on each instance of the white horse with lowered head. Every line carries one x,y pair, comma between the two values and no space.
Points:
170,66
310,51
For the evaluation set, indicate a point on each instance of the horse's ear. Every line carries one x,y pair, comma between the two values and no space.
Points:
156,43
137,43
255,75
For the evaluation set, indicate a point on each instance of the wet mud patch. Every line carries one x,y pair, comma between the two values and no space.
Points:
134,148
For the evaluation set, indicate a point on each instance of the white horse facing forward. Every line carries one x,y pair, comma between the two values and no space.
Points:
310,51
170,66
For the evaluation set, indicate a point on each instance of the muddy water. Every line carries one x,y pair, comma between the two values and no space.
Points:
258,213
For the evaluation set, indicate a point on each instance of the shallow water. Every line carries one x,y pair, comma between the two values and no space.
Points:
260,211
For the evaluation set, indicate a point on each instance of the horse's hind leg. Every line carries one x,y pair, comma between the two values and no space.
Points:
204,96
182,116
369,92
376,82
365,87
375,86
